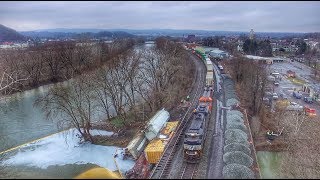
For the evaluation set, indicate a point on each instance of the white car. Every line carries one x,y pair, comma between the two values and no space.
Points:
295,107
275,96
293,103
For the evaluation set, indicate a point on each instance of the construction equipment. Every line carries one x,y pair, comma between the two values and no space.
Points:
271,135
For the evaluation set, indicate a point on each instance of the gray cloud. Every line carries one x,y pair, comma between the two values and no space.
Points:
231,16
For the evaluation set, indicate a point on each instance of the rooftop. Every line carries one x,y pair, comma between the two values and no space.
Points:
217,51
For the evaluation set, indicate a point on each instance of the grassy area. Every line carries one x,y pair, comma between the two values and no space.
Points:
118,122
296,81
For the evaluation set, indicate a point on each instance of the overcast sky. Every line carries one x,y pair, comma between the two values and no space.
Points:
262,16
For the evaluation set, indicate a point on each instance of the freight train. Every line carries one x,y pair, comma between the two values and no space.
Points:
195,134
208,64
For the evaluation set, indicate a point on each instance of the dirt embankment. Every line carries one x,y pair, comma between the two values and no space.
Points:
120,138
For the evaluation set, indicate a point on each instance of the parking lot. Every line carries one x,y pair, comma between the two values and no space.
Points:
286,86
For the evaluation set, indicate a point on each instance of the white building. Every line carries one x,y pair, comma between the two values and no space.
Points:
216,53
267,60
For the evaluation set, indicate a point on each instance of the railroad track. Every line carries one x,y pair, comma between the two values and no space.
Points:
163,167
188,171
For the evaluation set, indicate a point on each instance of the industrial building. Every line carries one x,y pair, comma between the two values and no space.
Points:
267,60
216,53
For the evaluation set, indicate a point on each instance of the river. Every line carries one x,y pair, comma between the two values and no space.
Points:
269,164
22,122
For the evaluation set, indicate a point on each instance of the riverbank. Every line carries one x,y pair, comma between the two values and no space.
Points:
37,68
120,138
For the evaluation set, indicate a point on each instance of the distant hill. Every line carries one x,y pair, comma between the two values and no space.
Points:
8,34
158,32
75,35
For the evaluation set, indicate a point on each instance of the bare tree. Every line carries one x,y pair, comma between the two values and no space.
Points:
301,159
83,57
73,105
54,64
163,71
131,66
100,88
9,79
252,78
32,65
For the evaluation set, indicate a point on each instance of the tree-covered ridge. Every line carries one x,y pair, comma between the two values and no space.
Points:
8,34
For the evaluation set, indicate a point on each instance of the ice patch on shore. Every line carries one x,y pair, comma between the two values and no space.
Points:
64,148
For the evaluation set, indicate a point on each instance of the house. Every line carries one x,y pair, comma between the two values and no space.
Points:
266,60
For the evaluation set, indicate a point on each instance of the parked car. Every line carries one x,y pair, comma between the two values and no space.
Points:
275,96
308,100
297,95
271,78
310,111
276,83
268,94
293,106
283,96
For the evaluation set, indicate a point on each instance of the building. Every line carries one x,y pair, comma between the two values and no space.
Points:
251,35
216,53
267,60
191,38
207,50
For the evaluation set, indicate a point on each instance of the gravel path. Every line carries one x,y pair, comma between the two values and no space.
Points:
214,170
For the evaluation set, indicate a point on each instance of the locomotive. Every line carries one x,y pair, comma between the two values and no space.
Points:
195,134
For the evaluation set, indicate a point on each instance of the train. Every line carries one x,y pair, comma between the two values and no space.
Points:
208,64
194,136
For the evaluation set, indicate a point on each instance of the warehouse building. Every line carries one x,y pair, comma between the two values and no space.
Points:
216,53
